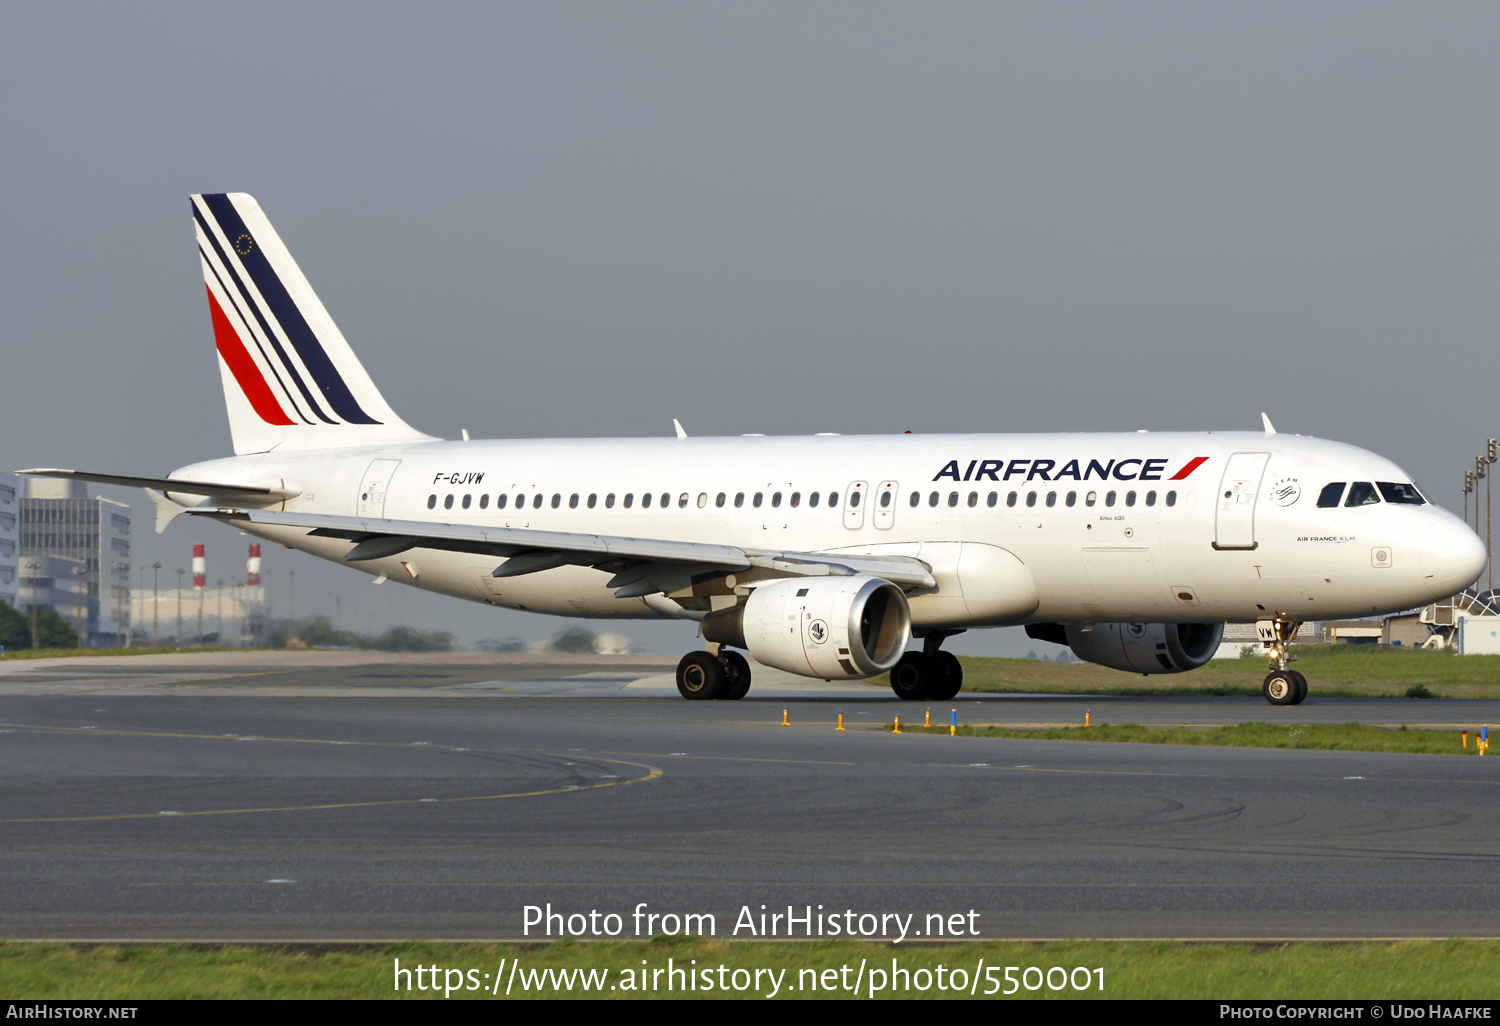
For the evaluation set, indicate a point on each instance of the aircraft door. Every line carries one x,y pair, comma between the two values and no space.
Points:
855,501
1234,519
885,506
373,488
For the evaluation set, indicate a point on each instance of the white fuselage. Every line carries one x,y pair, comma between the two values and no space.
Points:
1097,520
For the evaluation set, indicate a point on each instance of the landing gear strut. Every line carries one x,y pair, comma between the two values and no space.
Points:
702,676
1283,685
930,674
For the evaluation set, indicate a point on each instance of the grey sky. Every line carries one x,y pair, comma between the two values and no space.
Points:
558,219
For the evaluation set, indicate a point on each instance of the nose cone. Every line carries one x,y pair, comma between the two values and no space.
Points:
1452,557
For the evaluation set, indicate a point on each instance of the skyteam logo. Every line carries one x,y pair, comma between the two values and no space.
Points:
1072,470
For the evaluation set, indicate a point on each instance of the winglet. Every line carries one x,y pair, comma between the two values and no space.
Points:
1267,422
681,434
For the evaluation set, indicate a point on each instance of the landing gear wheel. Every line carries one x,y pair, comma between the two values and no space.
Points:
738,684
700,676
913,677
950,677
1280,687
1301,686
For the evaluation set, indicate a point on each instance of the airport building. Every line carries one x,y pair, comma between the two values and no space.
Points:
58,521
10,539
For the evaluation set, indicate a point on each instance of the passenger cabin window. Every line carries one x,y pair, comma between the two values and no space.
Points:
1130,498
994,498
719,501
1091,498
645,500
629,499
447,502
1329,497
609,501
916,498
1031,499
1109,498
1010,500
484,501
739,499
1051,498
468,499
797,499
854,499
1401,494
501,500
666,499
556,500
833,499
756,501
952,499
1171,498
973,499
1072,498
573,501
813,497
932,500
593,499
1361,493
682,500
536,501
776,501
432,501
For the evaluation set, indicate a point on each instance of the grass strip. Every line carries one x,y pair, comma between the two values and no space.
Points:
1417,969
1333,737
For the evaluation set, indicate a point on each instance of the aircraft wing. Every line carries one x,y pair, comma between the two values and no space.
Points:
242,493
642,566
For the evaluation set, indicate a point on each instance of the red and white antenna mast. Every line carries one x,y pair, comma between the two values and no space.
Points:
200,567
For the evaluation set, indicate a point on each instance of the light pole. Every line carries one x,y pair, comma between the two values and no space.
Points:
33,567
155,623
291,601
179,606
1491,455
220,587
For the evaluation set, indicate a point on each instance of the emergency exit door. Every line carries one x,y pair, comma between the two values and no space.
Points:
373,488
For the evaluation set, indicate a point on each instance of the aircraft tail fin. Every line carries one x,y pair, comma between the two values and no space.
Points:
290,379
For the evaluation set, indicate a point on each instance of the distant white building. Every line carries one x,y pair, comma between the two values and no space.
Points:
232,615
10,539
59,520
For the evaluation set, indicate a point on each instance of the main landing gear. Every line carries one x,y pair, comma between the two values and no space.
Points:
718,673
1282,686
928,675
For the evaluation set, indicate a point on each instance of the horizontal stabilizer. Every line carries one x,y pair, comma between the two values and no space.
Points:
249,495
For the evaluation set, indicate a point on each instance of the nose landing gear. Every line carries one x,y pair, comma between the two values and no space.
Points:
1283,685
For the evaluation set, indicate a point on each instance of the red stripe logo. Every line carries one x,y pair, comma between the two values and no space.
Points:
251,381
1193,465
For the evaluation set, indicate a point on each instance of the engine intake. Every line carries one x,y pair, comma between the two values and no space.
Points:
1144,648
835,628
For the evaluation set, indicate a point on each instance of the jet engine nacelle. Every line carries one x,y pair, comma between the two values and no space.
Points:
1137,647
836,628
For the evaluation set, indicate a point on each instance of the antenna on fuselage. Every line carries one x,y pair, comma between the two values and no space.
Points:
681,434
1267,422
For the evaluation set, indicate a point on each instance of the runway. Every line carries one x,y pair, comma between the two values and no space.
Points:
258,797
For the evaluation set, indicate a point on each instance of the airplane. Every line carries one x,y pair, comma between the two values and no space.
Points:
823,556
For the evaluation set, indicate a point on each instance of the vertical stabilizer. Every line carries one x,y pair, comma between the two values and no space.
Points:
290,379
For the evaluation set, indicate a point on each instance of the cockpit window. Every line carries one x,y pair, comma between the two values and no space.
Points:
1330,495
1361,493
1399,492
